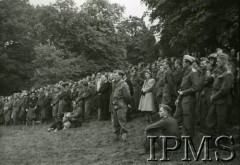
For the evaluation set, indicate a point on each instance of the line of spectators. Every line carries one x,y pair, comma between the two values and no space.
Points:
161,82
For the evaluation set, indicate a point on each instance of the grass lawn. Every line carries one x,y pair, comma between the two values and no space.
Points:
90,144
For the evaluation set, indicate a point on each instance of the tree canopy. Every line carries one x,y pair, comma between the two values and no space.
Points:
45,44
195,25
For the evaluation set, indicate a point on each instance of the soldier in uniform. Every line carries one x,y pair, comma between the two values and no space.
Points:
186,101
167,84
120,99
23,106
177,74
46,112
64,103
221,97
7,110
16,107
40,107
203,103
86,95
112,88
54,104
1,110
212,61
31,111
136,84
159,86
73,119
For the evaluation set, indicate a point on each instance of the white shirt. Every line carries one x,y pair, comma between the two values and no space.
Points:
98,84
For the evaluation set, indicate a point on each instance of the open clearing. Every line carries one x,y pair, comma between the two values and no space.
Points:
90,144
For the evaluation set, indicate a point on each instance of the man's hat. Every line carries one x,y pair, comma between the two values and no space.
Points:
189,58
213,55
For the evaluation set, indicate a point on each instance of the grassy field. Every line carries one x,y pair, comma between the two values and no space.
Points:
90,144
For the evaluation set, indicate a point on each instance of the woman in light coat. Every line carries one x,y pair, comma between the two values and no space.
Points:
146,104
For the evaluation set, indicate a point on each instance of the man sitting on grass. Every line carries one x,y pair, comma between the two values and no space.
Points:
166,126
73,119
69,120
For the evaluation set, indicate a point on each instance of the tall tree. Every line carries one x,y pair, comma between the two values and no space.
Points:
140,41
16,45
195,24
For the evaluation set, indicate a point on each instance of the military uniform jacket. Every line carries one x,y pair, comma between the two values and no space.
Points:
16,105
189,85
77,113
54,99
86,93
177,79
159,84
121,94
168,82
136,81
222,88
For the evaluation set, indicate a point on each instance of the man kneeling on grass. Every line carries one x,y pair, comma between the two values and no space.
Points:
70,119
166,126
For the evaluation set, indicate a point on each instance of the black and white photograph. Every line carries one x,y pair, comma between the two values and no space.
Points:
119,82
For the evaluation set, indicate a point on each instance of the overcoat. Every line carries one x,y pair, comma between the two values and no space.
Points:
54,104
7,111
104,95
16,108
136,84
147,99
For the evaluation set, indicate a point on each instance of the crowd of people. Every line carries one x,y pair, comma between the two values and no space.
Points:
198,92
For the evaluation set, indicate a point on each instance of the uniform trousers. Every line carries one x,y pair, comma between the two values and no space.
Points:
185,114
119,120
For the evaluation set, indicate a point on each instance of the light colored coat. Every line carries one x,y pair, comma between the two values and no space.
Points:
147,100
